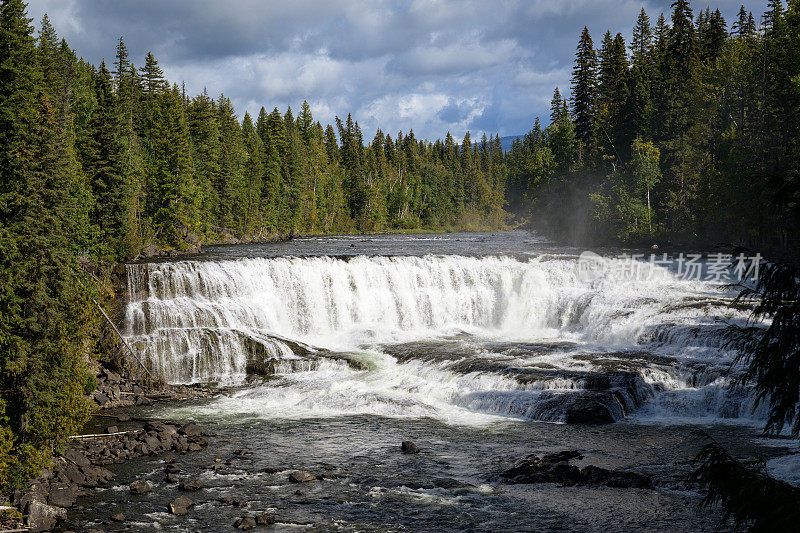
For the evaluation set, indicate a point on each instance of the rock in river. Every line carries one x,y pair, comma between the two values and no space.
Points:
180,505
301,476
140,486
409,447
245,523
191,486
555,468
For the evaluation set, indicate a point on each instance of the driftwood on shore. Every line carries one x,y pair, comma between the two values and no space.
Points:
100,435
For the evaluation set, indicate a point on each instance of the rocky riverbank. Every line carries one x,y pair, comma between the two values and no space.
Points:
108,439
113,391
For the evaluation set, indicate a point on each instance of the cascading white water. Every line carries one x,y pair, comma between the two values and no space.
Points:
204,320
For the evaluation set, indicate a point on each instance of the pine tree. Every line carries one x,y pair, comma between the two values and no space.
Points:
642,41
105,170
331,145
49,57
152,76
206,144
556,108
305,122
682,47
232,186
253,171
43,311
584,88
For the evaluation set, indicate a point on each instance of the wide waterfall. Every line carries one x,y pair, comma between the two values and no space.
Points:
512,336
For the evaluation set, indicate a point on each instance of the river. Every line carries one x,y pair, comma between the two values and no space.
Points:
481,348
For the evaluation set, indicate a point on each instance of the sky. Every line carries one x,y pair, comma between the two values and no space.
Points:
431,65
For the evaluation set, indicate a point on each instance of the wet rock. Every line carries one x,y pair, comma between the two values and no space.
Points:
43,517
265,519
73,474
62,495
171,478
191,430
100,398
409,447
245,523
77,458
227,500
142,400
140,486
172,469
152,443
301,476
594,475
191,486
119,517
123,417
555,468
180,505
112,429
96,475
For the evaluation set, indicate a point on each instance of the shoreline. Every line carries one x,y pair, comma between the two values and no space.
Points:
108,438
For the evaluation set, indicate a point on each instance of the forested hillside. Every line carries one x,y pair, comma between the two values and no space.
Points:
98,162
149,164
688,134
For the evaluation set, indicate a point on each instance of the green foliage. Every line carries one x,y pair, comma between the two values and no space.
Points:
722,113
750,497
772,354
99,163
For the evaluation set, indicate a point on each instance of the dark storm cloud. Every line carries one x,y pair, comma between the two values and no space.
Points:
434,65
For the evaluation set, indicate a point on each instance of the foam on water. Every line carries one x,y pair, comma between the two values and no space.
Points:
200,321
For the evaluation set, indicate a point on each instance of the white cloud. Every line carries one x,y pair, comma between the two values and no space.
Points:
434,65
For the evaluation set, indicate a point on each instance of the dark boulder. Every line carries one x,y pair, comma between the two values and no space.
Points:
265,519
594,475
301,476
77,458
555,468
191,430
245,523
191,486
180,505
140,486
62,495
409,447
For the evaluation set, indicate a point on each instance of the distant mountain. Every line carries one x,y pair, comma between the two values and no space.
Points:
508,140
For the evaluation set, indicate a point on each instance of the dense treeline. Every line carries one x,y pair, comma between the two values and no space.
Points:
99,162
153,166
690,133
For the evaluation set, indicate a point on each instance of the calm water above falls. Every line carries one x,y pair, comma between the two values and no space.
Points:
481,348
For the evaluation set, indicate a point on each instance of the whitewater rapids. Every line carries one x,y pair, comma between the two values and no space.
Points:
462,339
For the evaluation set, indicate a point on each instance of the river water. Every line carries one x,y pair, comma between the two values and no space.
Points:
481,348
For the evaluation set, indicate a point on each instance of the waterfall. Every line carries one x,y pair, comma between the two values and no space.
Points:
200,320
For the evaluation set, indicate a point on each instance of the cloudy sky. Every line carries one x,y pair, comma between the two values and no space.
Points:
431,65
